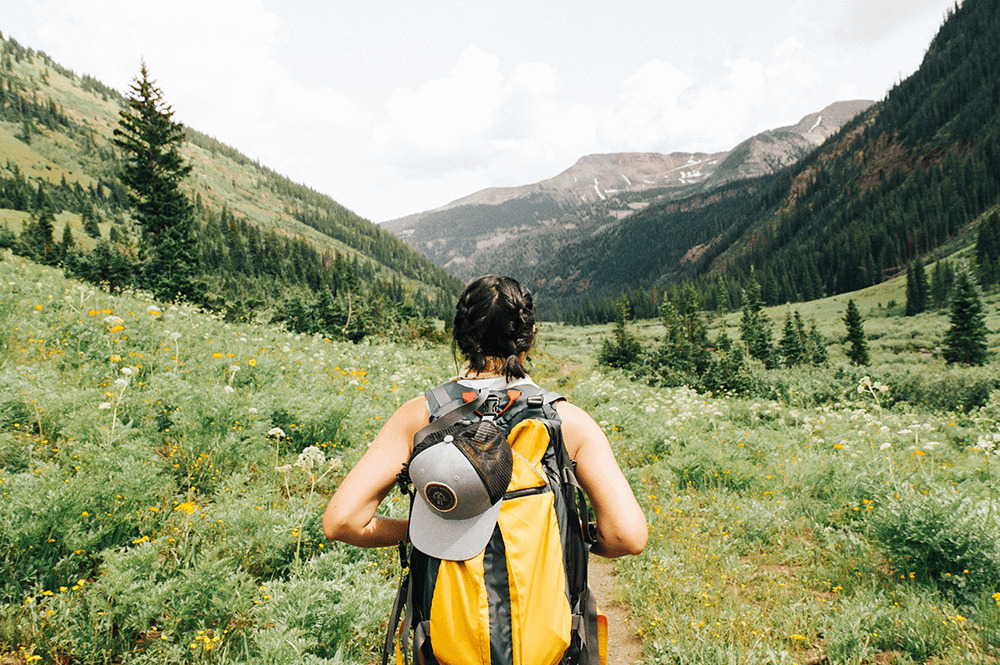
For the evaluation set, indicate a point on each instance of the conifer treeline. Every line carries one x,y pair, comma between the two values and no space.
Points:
899,181
246,268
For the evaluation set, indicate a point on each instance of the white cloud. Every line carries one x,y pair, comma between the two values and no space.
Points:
512,125
216,62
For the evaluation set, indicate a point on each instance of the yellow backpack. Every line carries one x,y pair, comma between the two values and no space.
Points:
523,599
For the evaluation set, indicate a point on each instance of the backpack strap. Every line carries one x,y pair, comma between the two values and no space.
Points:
439,397
451,417
402,601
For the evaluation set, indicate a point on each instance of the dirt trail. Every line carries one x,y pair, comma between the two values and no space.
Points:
624,645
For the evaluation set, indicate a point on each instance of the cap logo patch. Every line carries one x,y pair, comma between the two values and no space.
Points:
440,496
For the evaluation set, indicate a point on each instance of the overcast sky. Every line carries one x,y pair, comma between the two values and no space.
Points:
397,107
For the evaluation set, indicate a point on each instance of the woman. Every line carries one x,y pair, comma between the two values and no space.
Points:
494,328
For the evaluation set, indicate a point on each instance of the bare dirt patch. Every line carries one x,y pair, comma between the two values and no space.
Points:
624,645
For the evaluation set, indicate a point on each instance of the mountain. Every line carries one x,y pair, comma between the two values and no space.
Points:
261,235
898,182
466,235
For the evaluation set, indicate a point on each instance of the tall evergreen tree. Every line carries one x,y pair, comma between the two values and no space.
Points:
67,244
153,170
965,340
988,250
916,288
858,349
942,280
816,346
623,348
793,341
755,326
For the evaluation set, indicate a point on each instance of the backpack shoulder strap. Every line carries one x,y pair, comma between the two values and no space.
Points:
443,396
450,417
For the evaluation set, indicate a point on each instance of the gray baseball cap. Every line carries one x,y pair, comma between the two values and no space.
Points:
459,485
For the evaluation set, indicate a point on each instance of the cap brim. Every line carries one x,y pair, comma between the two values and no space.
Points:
451,540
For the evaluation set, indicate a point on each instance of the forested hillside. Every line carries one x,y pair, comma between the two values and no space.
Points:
899,181
265,242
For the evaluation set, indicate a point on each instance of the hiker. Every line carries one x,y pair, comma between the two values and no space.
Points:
494,329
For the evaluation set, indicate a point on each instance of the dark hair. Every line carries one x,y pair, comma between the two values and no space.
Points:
495,317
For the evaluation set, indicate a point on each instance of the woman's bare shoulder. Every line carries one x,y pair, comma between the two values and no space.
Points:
573,415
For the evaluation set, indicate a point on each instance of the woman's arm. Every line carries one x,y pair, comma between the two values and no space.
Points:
621,524
350,516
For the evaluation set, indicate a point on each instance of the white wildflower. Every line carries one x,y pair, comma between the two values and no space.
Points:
252,410
276,432
113,320
104,405
285,468
885,446
127,371
310,458
121,383
229,389
174,336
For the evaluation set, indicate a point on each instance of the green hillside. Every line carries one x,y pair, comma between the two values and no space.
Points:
262,236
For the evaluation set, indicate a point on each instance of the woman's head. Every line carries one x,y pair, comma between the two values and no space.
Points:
495,319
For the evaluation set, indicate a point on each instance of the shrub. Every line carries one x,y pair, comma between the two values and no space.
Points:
948,389
939,539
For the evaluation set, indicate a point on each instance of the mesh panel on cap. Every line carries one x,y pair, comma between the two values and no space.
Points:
487,449
436,438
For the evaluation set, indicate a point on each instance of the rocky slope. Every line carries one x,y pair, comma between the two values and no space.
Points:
466,235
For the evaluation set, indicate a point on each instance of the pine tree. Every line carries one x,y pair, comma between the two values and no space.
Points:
942,280
793,343
988,250
67,244
623,348
965,340
89,217
858,350
153,170
916,288
38,240
816,347
755,326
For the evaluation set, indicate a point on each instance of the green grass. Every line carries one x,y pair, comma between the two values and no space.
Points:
148,518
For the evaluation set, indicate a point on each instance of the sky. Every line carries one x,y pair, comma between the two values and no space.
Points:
393,108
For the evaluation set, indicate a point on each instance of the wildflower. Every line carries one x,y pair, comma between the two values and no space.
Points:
104,405
310,457
276,432
188,507
234,368
253,411
121,383
285,468
229,389
174,336
885,446
127,371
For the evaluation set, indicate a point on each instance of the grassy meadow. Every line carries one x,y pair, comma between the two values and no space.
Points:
163,474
